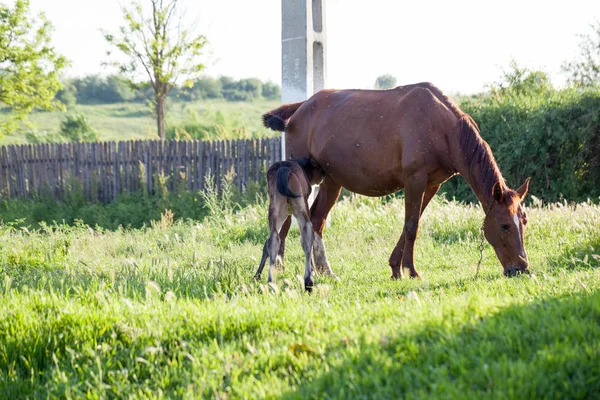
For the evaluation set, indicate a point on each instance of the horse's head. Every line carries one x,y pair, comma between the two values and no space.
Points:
314,172
504,228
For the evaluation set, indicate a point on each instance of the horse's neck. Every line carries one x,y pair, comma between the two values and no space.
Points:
473,176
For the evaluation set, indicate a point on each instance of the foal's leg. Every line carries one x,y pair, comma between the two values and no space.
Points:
277,216
329,191
283,235
274,243
396,256
263,260
414,191
300,210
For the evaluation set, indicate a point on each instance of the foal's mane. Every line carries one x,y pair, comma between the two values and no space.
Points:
478,157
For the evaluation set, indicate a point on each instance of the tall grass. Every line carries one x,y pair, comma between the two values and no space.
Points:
170,310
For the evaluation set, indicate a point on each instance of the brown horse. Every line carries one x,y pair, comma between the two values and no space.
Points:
376,142
289,185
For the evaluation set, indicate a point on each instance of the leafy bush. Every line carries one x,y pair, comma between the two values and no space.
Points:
552,136
76,128
94,89
271,91
242,90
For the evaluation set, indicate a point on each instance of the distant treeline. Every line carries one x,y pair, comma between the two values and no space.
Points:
95,89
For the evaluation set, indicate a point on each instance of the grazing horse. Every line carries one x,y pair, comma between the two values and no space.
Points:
376,142
289,185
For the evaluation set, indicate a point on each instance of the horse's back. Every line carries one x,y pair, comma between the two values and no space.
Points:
364,139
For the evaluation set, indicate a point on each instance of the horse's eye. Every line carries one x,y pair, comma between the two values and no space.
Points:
504,228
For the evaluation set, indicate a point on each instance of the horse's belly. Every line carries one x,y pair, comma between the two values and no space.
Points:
366,177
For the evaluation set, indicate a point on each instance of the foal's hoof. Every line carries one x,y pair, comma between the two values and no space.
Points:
308,285
279,264
325,270
397,273
257,277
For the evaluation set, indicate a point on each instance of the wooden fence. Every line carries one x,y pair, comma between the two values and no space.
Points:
103,170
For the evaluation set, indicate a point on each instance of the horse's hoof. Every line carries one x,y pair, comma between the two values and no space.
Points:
257,277
397,273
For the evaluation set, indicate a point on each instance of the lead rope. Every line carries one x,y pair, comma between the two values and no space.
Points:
482,244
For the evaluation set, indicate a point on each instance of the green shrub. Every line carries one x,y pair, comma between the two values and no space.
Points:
76,128
534,130
552,137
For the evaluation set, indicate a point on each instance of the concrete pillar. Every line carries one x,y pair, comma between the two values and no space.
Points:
303,49
303,54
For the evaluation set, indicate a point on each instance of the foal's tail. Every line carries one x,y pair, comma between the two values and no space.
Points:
277,119
283,179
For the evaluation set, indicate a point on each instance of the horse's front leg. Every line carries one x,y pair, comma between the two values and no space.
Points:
396,256
414,190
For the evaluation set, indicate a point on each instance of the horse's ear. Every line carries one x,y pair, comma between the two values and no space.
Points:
522,191
497,191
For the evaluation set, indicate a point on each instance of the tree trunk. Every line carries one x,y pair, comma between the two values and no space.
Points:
160,101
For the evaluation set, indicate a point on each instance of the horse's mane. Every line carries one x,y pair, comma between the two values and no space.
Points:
475,150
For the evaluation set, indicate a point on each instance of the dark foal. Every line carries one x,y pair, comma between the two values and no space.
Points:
289,185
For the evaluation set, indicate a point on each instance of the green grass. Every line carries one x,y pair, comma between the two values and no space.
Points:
126,121
171,311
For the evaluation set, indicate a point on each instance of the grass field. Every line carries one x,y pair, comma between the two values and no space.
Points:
171,311
126,121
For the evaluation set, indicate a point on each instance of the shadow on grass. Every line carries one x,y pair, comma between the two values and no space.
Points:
544,349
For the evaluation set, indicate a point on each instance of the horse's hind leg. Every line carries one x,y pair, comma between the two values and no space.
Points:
300,207
329,191
396,256
283,235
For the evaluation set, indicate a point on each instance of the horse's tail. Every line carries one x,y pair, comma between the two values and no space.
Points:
277,119
283,179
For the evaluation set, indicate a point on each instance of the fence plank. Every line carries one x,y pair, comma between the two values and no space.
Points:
3,170
201,165
104,170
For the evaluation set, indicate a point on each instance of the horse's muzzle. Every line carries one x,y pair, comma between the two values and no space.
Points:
513,271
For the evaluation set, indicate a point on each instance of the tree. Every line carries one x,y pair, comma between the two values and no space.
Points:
157,44
521,81
29,65
385,82
271,91
208,88
585,71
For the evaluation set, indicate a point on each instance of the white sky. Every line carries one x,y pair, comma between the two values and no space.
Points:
459,45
